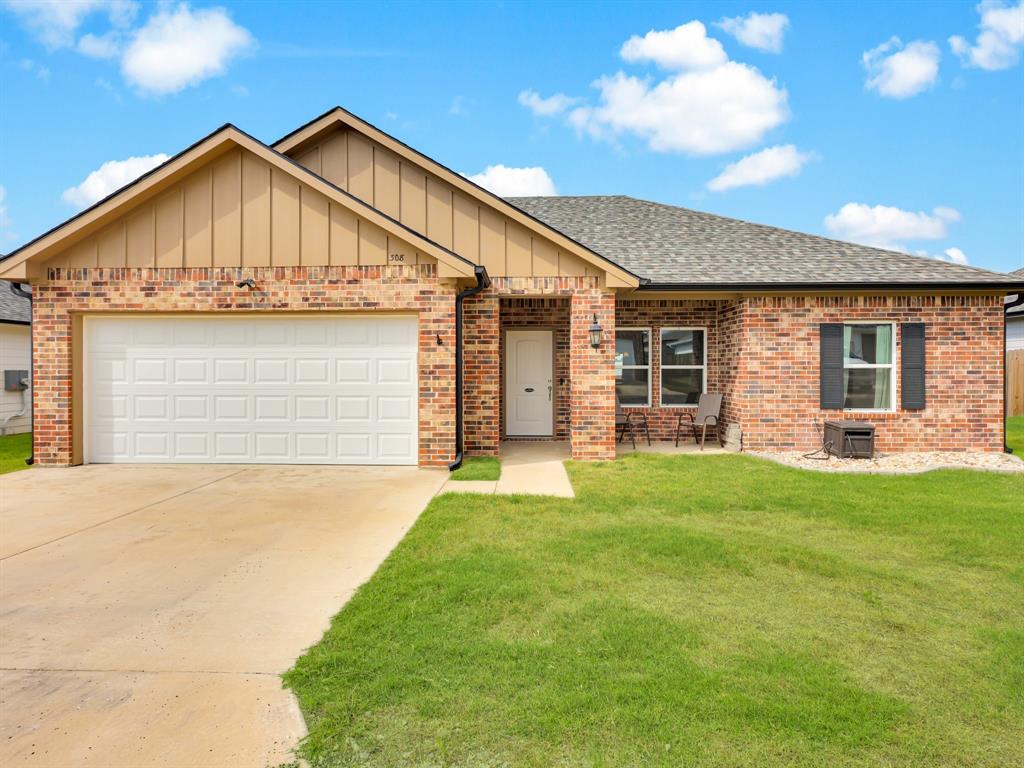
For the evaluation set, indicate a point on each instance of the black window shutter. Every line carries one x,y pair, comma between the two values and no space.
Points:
912,366
831,341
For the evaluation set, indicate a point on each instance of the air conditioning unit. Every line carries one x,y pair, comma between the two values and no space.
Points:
850,439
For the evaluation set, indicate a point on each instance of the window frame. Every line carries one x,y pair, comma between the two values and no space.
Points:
662,367
650,362
891,365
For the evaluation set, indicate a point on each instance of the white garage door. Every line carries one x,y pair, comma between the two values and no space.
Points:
266,390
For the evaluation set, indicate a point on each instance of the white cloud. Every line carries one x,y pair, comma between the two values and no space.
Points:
554,104
955,255
179,47
899,72
999,41
110,176
43,73
706,112
762,31
885,226
99,46
515,182
709,106
685,47
760,168
55,22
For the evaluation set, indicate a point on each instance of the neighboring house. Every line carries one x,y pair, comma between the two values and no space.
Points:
1015,321
304,302
15,361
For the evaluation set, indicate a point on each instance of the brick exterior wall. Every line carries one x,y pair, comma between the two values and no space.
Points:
655,315
544,313
779,386
525,302
763,356
482,380
592,376
280,289
731,358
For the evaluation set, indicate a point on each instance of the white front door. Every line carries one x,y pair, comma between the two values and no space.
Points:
273,389
529,394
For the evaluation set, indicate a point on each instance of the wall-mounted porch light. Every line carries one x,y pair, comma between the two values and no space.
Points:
595,334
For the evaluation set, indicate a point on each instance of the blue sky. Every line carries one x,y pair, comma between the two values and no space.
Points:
896,124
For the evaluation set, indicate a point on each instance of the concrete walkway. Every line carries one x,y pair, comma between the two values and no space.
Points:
526,468
147,612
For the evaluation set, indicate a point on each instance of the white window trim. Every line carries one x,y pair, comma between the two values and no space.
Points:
650,363
663,367
891,366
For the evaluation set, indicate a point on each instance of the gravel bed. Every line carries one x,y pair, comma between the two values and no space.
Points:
901,463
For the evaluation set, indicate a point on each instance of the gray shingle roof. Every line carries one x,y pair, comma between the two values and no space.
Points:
665,244
13,308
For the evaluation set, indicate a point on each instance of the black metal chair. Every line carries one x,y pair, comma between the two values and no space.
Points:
630,421
709,410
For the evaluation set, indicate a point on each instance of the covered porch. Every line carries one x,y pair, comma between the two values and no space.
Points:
552,368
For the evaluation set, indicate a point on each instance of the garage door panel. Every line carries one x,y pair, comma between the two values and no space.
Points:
236,390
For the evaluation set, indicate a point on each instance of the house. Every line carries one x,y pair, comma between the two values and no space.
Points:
1015,319
338,297
15,360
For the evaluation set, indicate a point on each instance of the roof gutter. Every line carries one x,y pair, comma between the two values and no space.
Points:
18,290
1006,311
483,281
780,286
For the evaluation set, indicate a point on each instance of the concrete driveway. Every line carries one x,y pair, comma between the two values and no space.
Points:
146,612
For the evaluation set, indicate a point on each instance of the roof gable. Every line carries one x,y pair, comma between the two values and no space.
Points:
374,167
75,235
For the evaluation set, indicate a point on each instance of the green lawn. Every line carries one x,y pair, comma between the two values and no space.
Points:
478,468
14,449
1015,434
711,610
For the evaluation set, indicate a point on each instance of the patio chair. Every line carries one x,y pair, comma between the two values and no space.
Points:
630,421
709,409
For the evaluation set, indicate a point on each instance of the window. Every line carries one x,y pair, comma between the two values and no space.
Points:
867,366
633,366
684,365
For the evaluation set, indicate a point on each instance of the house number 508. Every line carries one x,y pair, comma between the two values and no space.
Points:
396,257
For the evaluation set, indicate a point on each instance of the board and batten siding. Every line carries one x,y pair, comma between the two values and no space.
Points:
238,210
424,203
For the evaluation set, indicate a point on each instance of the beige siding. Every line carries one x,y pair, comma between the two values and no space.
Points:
385,182
255,211
198,201
284,219
433,208
315,234
238,211
227,211
334,160
169,229
110,246
139,237
344,236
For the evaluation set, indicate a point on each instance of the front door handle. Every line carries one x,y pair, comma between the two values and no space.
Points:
549,393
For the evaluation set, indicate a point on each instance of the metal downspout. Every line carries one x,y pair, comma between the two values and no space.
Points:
17,290
482,282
